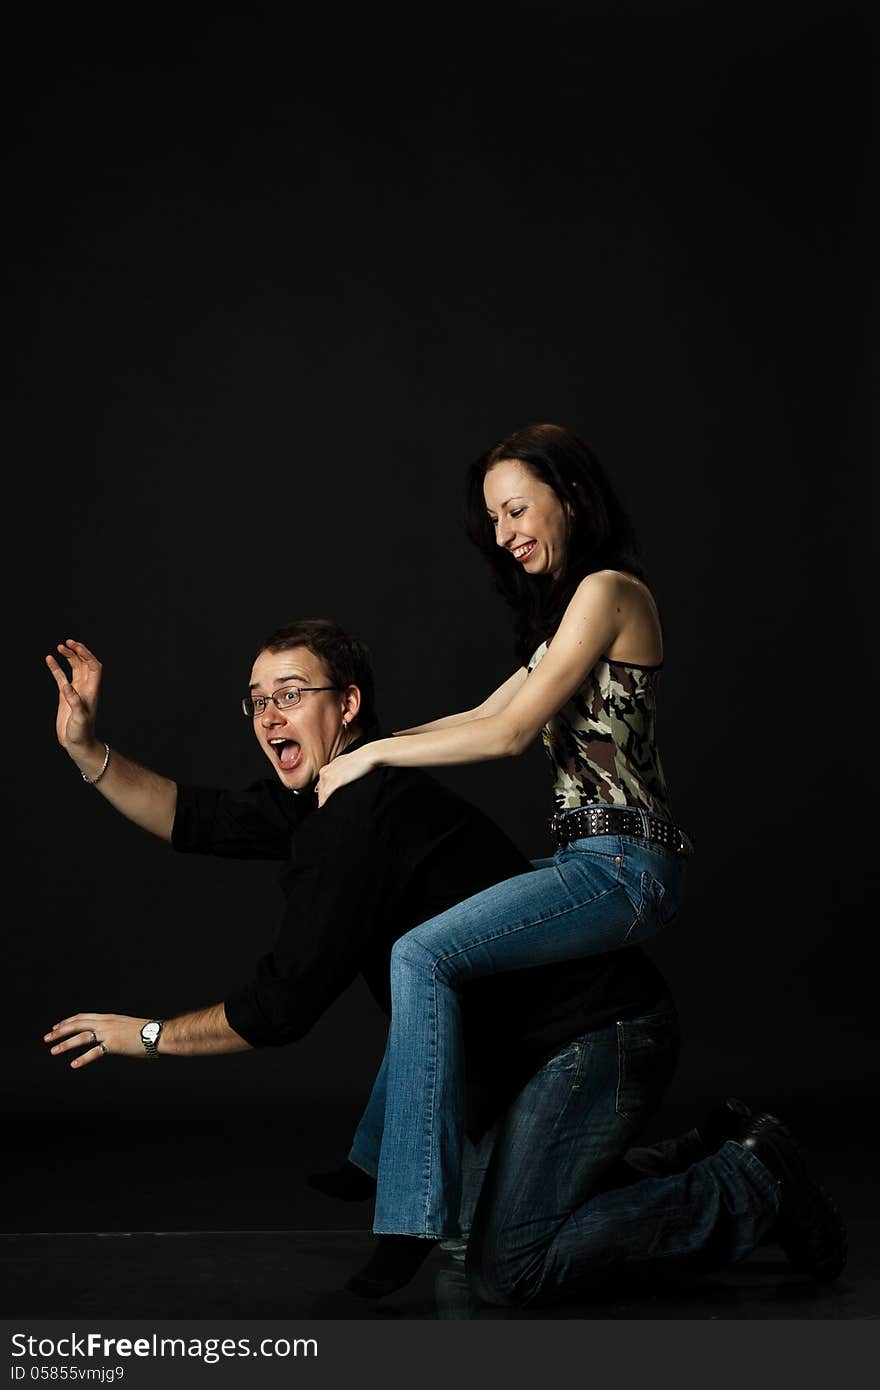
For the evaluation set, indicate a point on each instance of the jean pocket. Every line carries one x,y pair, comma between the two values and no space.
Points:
657,903
567,1062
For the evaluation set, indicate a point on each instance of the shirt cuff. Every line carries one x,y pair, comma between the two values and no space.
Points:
193,827
246,1017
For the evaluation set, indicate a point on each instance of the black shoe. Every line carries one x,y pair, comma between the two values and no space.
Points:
725,1121
394,1261
809,1226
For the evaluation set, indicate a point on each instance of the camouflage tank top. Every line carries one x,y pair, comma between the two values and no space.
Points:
601,743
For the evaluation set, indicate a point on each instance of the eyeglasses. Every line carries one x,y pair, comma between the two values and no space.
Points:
285,698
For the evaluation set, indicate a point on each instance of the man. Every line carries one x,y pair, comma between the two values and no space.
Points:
566,1062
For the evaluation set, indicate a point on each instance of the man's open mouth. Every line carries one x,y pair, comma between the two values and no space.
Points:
287,751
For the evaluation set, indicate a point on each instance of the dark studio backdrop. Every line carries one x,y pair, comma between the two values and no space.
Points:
270,287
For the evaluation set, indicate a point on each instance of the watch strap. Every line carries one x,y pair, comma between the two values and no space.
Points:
150,1043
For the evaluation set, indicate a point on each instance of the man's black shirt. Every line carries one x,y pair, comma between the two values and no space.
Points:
385,853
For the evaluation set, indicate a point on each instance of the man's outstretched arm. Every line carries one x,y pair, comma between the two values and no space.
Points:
202,1033
143,796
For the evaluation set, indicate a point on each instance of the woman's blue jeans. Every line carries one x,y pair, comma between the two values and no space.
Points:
595,895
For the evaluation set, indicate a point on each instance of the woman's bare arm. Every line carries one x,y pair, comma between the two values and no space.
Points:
591,624
496,702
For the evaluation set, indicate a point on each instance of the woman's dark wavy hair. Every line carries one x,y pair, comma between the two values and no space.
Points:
600,534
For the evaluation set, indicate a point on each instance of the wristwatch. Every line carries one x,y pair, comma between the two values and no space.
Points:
150,1036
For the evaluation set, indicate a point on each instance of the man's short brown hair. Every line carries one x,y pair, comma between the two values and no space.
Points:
346,659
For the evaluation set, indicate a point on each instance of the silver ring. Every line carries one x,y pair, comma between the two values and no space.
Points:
94,1037
105,1051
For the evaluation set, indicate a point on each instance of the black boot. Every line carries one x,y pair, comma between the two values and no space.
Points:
395,1260
809,1226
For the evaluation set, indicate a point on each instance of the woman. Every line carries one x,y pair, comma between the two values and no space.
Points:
589,638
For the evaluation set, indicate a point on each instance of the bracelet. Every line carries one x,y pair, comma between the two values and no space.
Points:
93,780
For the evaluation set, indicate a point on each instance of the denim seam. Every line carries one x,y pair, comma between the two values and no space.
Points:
424,1232
432,1109
621,1051
542,1273
512,931
640,910
583,849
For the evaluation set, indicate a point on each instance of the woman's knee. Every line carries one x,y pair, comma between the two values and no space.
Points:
423,953
409,956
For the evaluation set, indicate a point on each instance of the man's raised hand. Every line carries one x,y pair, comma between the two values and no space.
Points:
77,696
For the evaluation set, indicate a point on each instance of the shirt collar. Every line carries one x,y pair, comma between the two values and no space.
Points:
371,732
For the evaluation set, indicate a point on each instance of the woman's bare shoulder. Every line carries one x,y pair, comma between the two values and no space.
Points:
610,586
639,635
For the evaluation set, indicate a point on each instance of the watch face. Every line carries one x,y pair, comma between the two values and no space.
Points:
150,1032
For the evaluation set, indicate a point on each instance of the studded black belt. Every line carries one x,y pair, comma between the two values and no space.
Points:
616,820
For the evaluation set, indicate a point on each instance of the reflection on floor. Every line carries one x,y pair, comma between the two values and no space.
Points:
300,1274
244,1236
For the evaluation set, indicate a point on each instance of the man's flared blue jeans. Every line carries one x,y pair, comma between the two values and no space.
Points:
595,895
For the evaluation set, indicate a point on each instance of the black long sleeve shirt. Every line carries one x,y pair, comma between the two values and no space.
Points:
384,854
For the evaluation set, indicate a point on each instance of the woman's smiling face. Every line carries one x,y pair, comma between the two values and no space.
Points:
528,517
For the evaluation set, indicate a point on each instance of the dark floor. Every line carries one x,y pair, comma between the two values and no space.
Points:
299,1274
154,1167
209,1215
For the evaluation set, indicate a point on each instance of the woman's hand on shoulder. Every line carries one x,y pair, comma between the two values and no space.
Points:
341,771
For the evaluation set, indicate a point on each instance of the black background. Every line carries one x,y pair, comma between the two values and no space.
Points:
271,285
